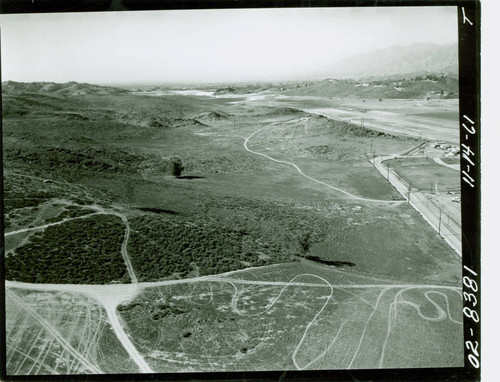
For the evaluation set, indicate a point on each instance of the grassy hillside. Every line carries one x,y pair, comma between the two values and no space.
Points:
230,209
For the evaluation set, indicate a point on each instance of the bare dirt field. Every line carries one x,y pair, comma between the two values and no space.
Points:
254,321
60,333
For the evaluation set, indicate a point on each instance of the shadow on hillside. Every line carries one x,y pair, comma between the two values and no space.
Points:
328,262
158,210
190,177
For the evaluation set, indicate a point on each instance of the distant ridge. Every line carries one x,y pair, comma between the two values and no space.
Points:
67,88
414,59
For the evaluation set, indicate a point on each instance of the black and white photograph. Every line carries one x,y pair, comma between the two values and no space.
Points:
236,190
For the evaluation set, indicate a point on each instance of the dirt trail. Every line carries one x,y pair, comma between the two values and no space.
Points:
39,216
52,224
125,339
245,145
124,252
108,297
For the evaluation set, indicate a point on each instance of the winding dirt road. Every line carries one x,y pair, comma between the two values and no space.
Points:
245,145
124,252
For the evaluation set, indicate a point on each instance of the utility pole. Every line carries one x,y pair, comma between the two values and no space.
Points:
371,148
388,172
439,229
409,193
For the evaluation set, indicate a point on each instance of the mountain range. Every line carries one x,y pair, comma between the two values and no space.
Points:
414,59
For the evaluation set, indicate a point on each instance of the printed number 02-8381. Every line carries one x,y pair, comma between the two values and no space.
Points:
470,298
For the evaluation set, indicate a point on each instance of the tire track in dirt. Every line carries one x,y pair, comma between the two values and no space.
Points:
54,333
398,299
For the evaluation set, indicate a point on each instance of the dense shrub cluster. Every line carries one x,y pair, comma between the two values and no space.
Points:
83,251
94,159
157,309
21,192
275,225
160,249
243,234
11,204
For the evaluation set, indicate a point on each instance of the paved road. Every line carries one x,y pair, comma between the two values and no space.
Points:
450,232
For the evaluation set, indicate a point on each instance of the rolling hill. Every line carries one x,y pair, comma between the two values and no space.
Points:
67,88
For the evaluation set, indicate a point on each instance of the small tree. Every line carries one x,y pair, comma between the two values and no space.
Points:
305,242
177,167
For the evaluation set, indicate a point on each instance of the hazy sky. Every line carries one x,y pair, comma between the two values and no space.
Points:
207,45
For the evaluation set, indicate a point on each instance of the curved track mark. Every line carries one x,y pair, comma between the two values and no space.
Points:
393,313
294,354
